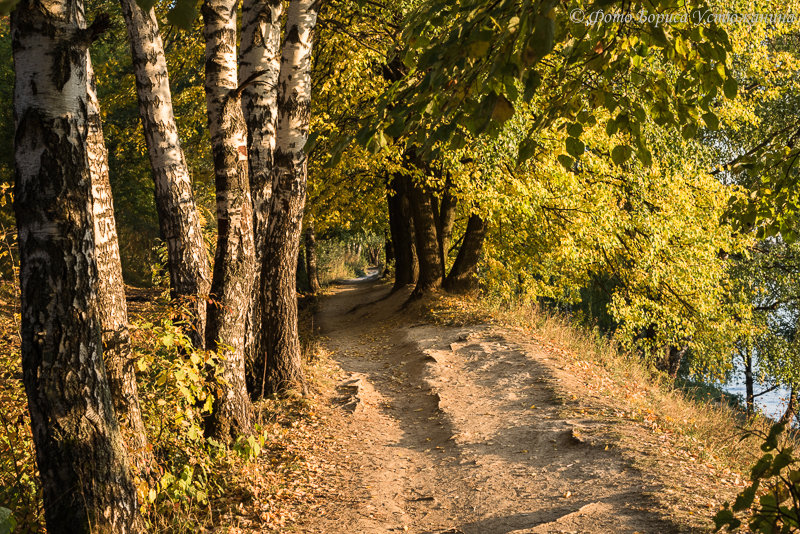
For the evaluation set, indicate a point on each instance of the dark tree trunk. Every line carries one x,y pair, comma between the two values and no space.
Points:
445,219
431,270
748,382
388,250
282,368
82,461
311,259
403,235
673,358
179,222
113,309
406,267
463,275
791,409
232,281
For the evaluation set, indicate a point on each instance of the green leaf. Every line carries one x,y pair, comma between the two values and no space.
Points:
168,340
7,521
711,120
645,157
311,142
772,438
725,517
183,14
540,42
768,503
146,5
478,49
565,161
689,131
373,145
782,460
761,468
575,129
396,129
531,85
745,499
526,150
364,135
503,109
575,147
730,88
620,154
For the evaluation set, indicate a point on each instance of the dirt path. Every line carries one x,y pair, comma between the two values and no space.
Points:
459,430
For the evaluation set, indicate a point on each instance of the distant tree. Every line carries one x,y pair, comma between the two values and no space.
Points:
311,258
767,278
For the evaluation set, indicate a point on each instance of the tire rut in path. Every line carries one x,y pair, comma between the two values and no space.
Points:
460,430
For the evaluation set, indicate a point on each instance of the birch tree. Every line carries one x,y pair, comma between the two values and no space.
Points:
113,310
83,465
281,345
189,272
232,282
259,66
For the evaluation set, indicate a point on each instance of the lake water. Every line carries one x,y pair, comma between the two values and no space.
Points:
772,404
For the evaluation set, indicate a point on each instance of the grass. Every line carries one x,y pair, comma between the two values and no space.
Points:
337,261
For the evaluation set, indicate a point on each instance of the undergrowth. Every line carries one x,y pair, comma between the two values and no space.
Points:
260,483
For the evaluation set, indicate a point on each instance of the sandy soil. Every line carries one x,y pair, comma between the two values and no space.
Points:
462,430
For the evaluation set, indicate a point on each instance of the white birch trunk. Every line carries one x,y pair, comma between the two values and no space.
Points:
189,272
232,282
281,346
259,67
113,309
82,461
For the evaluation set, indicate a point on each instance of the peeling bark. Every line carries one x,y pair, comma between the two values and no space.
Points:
112,309
282,368
232,281
82,461
189,271
259,67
